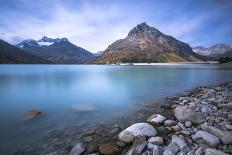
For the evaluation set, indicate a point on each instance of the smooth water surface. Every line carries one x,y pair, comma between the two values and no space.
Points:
109,91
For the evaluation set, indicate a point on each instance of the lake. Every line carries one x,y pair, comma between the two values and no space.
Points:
72,94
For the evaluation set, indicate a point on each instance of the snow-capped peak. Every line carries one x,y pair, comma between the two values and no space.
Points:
45,41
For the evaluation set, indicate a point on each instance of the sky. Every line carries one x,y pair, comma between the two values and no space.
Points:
95,24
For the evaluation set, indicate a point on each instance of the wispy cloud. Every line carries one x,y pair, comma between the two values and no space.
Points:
96,24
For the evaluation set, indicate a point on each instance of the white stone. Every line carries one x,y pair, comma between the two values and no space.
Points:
135,130
156,119
156,140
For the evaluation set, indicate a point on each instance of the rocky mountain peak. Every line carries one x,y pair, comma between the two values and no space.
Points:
46,39
28,42
144,29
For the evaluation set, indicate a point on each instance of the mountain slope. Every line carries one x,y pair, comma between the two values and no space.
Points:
216,51
147,44
10,54
59,51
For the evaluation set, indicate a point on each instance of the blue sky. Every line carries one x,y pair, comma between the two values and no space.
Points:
94,24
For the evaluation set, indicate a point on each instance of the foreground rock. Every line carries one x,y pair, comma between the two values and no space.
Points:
135,130
108,149
77,149
210,151
138,146
156,119
202,137
227,106
156,140
187,113
32,113
224,136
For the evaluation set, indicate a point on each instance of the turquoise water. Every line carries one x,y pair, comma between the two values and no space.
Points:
108,91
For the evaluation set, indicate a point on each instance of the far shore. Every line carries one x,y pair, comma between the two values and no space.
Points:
167,64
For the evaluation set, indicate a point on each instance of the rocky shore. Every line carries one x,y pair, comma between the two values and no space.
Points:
196,123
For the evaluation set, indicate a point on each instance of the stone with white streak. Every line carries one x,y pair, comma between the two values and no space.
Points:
156,119
135,130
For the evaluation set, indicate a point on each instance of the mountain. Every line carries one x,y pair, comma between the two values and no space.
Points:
59,51
98,54
147,44
10,54
216,51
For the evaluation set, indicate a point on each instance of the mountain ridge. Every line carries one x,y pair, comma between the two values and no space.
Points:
147,44
59,50
9,54
216,51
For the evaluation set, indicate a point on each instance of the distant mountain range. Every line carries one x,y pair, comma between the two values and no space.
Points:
216,51
147,44
144,44
10,54
59,51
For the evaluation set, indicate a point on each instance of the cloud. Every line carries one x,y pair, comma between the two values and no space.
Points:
86,27
95,24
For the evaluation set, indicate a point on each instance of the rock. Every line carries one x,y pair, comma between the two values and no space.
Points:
88,139
121,144
108,149
135,130
88,132
176,128
91,148
188,123
83,108
171,149
180,143
206,109
228,126
147,153
115,131
227,106
138,146
203,137
169,123
156,140
224,136
186,113
77,149
156,150
156,119
210,151
187,133
32,113
200,151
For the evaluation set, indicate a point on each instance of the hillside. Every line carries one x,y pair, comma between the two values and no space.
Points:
147,44
10,54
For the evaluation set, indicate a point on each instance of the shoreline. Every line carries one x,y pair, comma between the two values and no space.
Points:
103,138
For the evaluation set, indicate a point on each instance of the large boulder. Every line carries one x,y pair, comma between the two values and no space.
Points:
227,106
203,137
135,130
210,151
171,149
180,142
187,113
224,136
